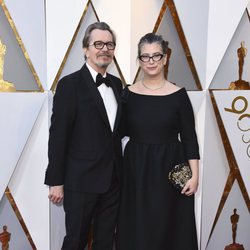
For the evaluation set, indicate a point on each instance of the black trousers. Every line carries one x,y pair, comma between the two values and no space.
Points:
82,209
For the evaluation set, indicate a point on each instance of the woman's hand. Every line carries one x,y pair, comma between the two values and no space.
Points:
191,186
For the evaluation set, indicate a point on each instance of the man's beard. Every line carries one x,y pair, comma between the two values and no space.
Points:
104,64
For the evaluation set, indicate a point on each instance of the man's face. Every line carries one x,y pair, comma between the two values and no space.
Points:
99,59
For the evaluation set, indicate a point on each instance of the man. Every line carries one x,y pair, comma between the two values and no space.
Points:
84,144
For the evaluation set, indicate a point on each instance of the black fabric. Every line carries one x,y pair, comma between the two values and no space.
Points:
81,208
153,214
100,80
82,146
85,157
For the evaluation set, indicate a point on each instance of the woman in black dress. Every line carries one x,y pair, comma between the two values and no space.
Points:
159,120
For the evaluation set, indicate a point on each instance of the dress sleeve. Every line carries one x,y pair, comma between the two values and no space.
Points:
187,129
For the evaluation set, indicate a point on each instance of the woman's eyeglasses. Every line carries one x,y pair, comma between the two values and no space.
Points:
155,58
100,45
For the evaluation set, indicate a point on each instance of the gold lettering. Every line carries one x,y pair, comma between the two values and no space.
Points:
240,118
248,151
244,140
241,110
233,108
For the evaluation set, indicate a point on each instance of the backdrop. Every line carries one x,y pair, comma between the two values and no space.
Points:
210,57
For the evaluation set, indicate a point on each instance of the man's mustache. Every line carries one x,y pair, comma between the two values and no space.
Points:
104,54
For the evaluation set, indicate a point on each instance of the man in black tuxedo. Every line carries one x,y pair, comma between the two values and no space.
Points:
85,146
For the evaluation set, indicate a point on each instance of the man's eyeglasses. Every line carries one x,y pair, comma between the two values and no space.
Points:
100,45
155,58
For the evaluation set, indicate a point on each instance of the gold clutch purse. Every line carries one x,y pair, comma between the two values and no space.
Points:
179,175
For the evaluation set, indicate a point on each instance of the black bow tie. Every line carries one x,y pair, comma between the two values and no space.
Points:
100,80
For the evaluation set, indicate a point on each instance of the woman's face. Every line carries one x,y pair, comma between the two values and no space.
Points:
152,60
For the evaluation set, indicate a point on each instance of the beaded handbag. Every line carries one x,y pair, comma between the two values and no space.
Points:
179,175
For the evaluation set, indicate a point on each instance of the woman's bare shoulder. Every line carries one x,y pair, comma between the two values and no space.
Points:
173,86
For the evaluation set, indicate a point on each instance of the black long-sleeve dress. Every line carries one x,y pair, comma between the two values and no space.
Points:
153,214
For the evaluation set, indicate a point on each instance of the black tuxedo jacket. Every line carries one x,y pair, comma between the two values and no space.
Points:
83,150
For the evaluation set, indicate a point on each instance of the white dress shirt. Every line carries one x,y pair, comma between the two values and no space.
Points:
108,97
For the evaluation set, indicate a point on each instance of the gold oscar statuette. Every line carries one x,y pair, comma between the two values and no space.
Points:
234,221
4,85
240,84
5,238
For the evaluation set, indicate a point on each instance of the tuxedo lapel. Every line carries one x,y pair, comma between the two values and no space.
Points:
88,80
118,99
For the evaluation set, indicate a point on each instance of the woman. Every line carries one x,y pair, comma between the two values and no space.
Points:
154,215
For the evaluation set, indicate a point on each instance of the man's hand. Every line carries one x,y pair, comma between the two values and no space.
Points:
56,194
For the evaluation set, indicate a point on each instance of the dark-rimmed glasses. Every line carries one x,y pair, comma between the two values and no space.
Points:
100,45
155,58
